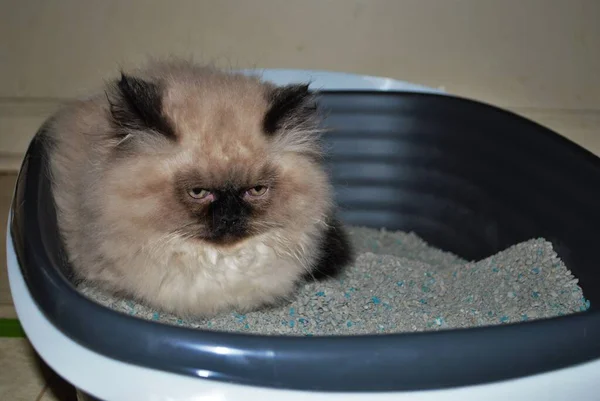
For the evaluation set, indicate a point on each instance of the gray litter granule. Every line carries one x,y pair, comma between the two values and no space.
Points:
398,283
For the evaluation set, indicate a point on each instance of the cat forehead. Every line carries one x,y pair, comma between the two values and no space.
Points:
222,139
219,126
231,115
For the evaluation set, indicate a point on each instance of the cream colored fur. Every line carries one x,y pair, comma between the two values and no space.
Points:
124,228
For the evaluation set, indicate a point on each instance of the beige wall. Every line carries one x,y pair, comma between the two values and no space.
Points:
540,58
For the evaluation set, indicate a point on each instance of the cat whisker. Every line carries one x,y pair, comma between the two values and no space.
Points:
125,138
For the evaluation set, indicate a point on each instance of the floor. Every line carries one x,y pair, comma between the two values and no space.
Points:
23,375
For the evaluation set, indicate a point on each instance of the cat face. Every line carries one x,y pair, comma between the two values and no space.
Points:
213,158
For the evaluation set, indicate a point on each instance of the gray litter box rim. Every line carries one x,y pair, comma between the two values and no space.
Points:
391,362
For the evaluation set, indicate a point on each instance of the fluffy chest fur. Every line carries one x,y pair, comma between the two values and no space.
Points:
193,280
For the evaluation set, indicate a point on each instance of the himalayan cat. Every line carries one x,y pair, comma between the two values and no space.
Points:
195,191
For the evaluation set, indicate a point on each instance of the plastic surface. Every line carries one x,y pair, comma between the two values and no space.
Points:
111,380
467,177
333,80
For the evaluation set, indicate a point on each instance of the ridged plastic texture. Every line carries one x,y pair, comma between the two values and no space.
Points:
467,177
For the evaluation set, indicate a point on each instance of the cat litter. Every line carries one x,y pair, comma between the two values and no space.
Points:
398,283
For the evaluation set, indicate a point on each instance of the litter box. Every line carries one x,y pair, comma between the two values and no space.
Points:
467,177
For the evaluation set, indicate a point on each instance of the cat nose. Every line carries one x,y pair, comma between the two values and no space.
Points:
230,220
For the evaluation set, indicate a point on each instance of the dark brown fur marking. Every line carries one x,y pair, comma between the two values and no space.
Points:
137,106
291,106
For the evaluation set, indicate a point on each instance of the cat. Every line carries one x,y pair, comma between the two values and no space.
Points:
194,190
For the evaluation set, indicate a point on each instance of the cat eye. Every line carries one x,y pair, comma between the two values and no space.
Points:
198,193
258,190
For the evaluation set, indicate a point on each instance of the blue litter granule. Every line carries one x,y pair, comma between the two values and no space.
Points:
586,304
155,316
292,311
376,300
504,319
238,317
400,283
320,293
535,270
131,307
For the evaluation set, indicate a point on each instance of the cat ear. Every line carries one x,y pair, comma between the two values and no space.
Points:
291,107
137,105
